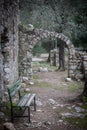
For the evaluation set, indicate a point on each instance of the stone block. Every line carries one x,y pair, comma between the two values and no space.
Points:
8,126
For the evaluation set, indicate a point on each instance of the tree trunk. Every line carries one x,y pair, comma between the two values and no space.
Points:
51,48
84,93
61,56
85,89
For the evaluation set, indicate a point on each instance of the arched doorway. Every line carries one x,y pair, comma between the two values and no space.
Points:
29,38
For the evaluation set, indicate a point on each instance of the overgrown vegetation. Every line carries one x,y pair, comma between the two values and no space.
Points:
36,65
38,49
81,122
43,84
75,86
84,100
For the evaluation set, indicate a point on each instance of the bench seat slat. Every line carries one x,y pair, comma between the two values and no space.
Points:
14,88
26,100
30,100
15,91
23,100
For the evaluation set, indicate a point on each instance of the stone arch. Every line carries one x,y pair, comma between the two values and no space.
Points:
35,35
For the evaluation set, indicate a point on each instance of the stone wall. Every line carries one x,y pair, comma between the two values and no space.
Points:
25,54
85,63
8,42
77,64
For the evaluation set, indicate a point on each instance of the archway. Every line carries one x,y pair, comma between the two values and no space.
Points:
30,38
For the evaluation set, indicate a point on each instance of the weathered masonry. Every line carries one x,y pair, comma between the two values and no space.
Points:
77,65
16,53
27,40
8,43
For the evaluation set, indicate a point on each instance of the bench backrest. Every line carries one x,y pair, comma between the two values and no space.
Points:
14,88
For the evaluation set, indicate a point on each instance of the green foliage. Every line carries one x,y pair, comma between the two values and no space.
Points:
81,122
44,64
46,44
68,17
80,20
84,99
75,86
35,76
84,106
38,49
42,84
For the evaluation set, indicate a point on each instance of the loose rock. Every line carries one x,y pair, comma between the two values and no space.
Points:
8,126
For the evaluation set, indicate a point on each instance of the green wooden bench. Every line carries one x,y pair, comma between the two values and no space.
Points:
24,102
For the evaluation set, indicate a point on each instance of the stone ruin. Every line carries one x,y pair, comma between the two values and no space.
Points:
28,39
78,63
16,54
8,43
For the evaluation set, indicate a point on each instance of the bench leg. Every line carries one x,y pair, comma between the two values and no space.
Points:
29,114
34,103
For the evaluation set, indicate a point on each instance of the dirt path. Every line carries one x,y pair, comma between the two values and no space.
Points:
53,96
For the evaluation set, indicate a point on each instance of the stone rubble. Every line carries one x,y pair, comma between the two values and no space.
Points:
8,126
27,90
39,103
68,80
52,101
43,69
75,115
79,109
31,83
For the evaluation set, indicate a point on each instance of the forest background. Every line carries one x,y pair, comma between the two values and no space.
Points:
63,16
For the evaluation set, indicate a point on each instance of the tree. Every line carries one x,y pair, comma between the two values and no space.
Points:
61,56
61,28
80,20
84,93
